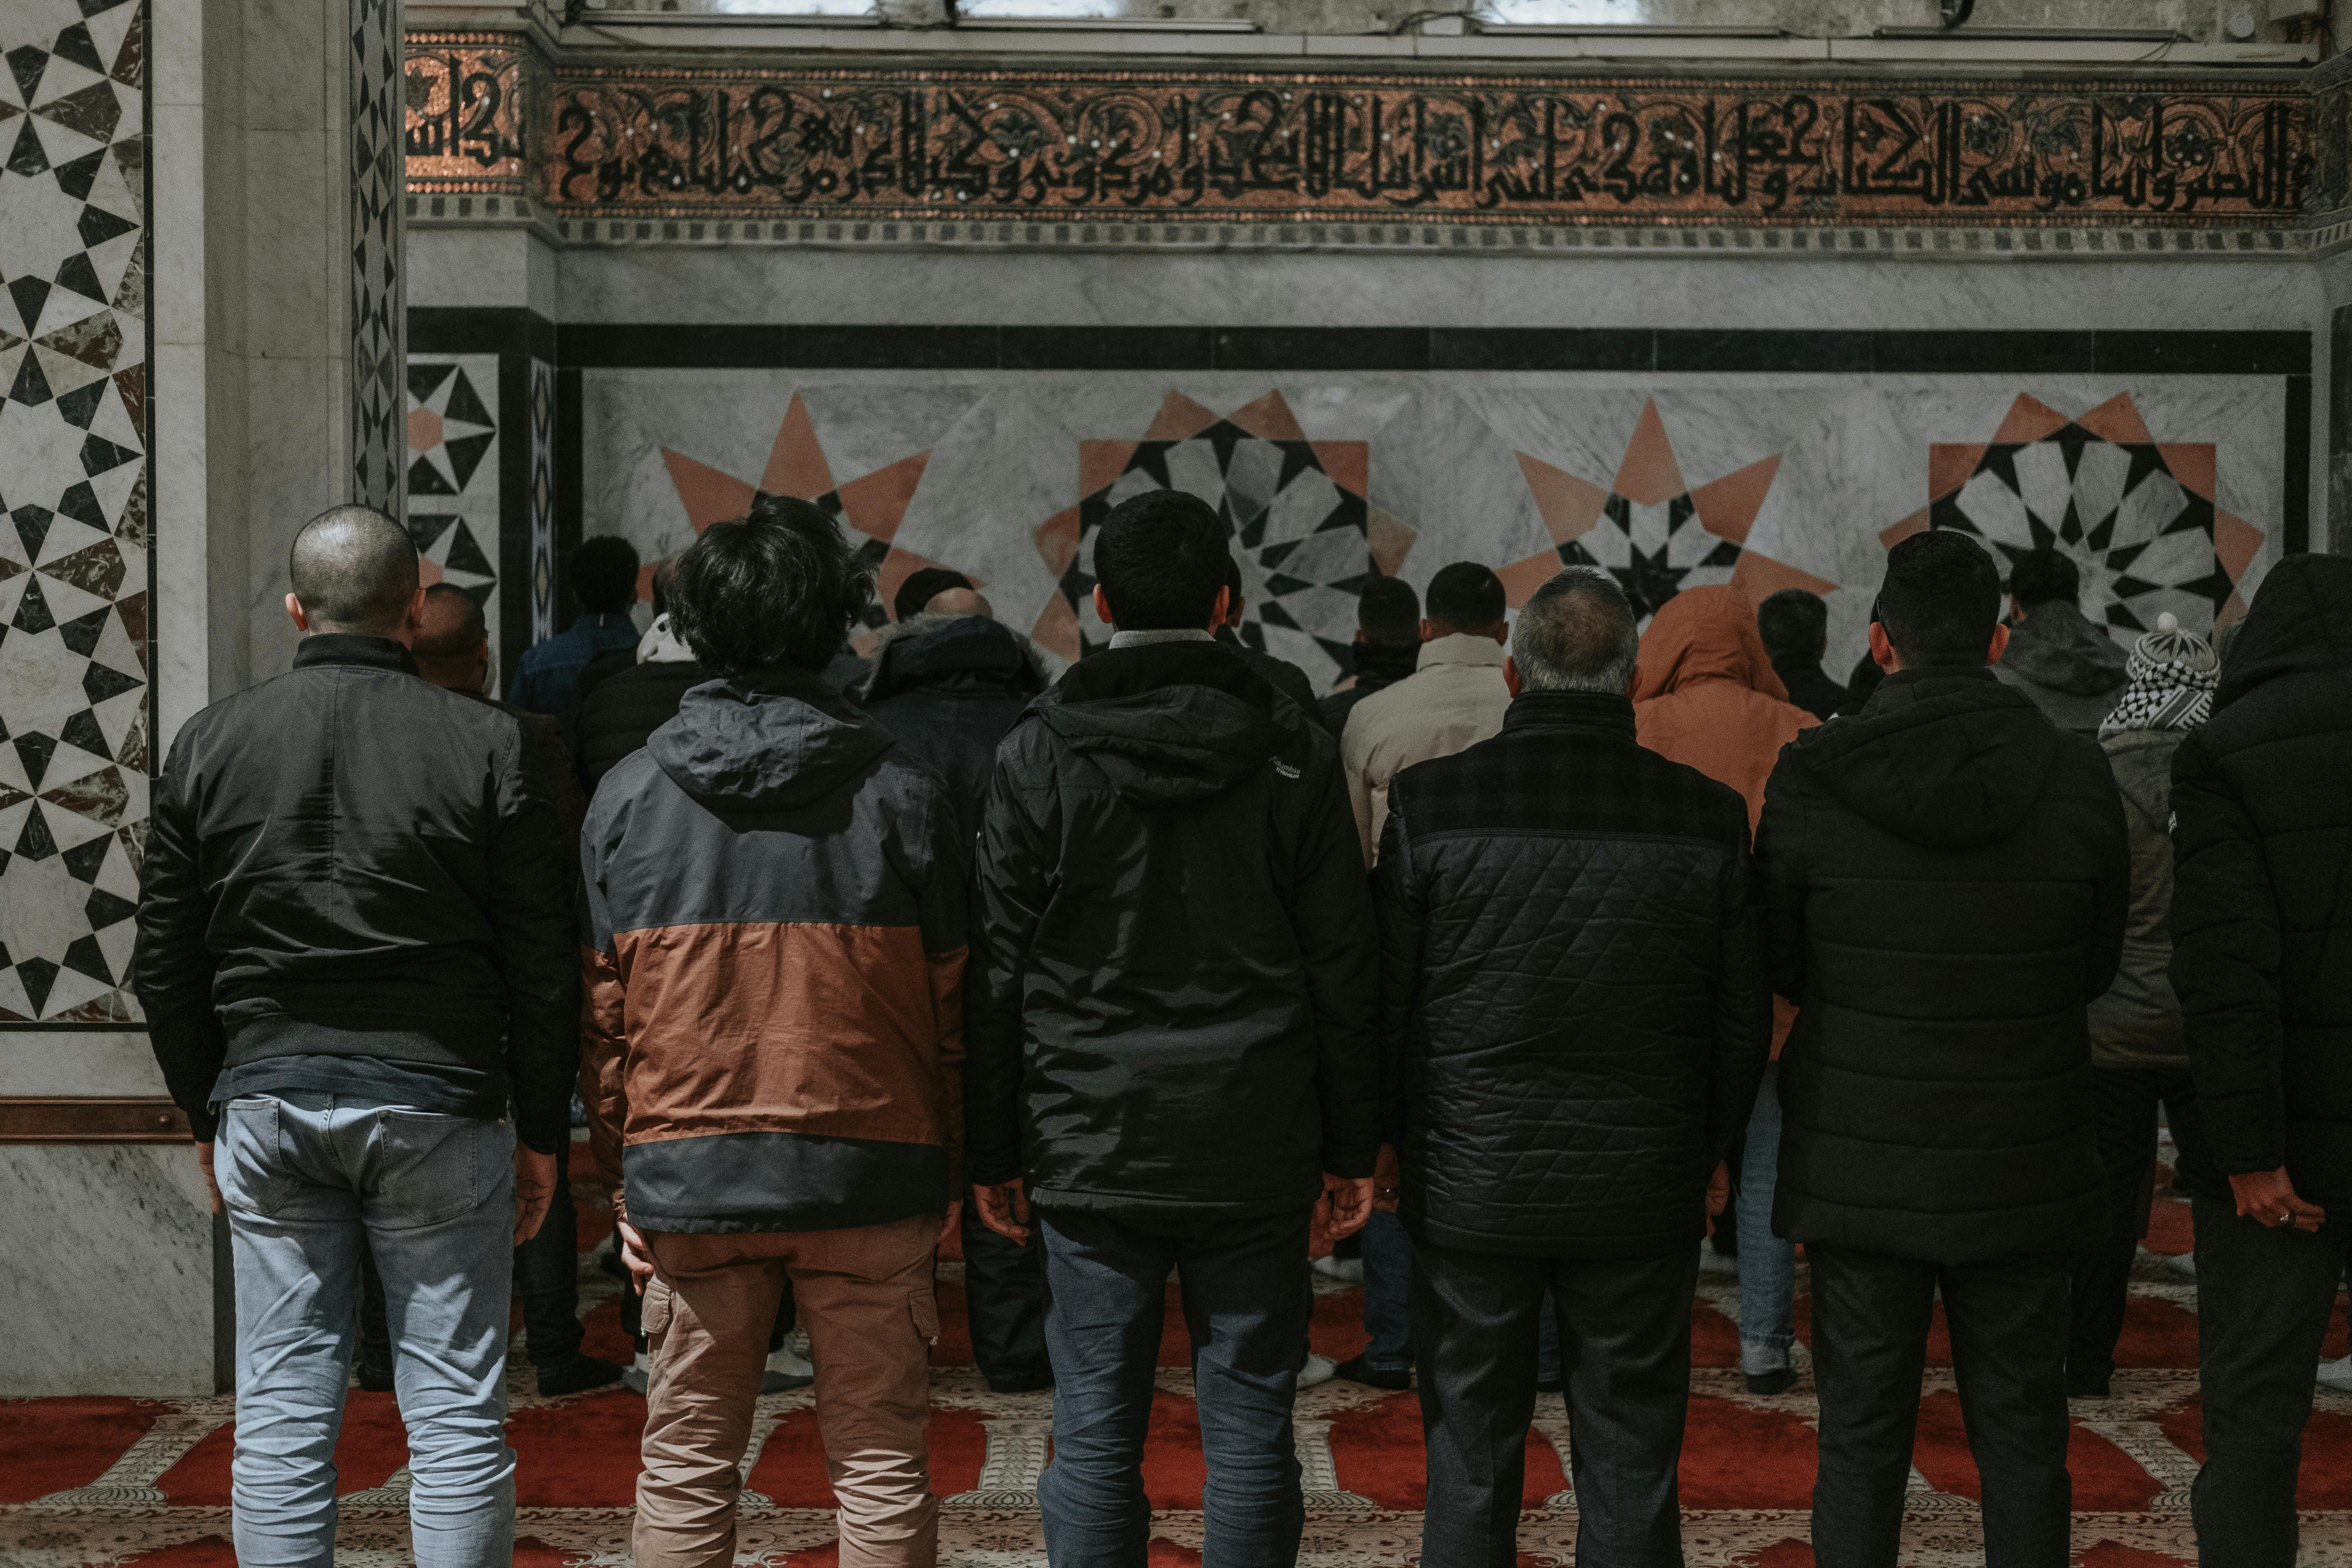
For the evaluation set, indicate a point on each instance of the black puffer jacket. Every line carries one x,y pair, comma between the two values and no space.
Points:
947,687
2261,902
1171,993
1946,877
618,712
1379,666
1572,1016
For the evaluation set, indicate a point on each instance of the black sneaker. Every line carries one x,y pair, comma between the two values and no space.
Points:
1026,1382
2086,1382
1356,1371
577,1376
376,1379
1767,1383
1549,1385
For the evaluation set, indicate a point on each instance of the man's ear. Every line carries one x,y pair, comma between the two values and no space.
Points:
2000,644
1102,608
1224,607
1428,629
1882,650
1511,675
1502,631
300,618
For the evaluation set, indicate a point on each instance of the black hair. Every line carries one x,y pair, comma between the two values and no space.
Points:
460,637
1794,625
1465,596
780,587
921,587
605,574
1941,599
1159,559
353,566
2044,577
1389,611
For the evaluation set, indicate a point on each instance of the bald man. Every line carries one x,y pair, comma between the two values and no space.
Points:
355,957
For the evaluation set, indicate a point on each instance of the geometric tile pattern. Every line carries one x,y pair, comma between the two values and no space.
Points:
867,510
1651,532
75,722
453,474
1294,509
542,501
378,168
2135,514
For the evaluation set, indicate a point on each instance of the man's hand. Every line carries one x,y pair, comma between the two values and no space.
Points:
534,1190
1718,1190
1388,1180
952,1224
635,1256
204,1163
1004,1209
1341,1211
2267,1197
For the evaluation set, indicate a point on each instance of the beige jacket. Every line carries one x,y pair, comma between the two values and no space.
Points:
1453,699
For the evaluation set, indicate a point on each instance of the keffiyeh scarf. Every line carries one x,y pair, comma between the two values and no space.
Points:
2169,682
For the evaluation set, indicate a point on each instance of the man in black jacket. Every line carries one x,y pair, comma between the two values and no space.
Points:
2261,959
1945,878
354,953
1573,1024
1387,647
1280,673
1795,627
1167,1028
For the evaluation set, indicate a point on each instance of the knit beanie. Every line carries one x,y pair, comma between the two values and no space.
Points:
2169,681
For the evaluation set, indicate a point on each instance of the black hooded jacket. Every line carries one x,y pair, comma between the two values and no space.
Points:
1173,954
947,687
625,706
2261,902
1946,877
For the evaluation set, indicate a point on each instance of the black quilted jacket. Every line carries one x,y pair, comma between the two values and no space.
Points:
1947,877
1573,1020
2262,903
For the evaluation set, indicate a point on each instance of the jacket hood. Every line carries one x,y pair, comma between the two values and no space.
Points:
2057,646
954,652
1944,758
1171,723
775,738
1704,634
2301,622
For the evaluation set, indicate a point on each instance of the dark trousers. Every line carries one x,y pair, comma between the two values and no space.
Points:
1624,1350
2127,1099
1004,1299
1247,1303
546,1285
2263,1296
2008,1319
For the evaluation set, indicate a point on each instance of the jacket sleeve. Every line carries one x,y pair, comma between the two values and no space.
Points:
1743,1011
603,1025
2225,966
2103,951
1360,792
946,913
1776,886
1396,904
532,913
174,964
1016,867
1331,913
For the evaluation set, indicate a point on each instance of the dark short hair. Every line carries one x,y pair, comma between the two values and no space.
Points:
1576,633
1794,624
921,587
465,631
1466,594
605,574
1941,598
353,566
780,587
1159,559
1389,611
2044,577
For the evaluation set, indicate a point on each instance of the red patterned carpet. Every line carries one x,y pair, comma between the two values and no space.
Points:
101,1479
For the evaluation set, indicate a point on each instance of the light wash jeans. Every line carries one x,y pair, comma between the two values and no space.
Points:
1768,1265
311,1180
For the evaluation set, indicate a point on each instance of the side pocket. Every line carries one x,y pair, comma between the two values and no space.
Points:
924,1303
248,1163
659,1298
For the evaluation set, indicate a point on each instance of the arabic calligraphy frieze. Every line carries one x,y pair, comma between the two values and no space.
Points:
623,141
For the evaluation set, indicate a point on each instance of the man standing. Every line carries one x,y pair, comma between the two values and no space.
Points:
1170,1061
1455,698
1572,1025
605,581
1279,673
776,914
1795,626
1388,642
352,954
1945,877
2072,669
2261,959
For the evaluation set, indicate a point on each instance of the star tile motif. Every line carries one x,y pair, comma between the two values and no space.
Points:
1652,531
2135,514
453,495
74,722
1306,536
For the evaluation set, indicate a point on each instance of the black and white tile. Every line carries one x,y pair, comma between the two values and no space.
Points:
452,435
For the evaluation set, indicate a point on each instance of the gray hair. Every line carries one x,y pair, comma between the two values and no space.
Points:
1575,634
353,566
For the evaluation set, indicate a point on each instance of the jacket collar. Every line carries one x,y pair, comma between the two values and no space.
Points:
1922,675
1602,713
1460,648
353,647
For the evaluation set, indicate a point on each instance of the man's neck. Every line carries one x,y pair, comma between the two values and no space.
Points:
1145,638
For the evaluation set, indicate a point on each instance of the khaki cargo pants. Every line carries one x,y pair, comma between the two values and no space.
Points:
865,1296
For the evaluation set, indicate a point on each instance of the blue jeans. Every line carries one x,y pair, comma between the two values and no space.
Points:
1388,1303
311,1180
1247,1302
1768,1265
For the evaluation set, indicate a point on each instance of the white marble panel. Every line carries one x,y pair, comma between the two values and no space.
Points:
77,1062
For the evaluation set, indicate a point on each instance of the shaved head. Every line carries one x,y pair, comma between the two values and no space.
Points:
353,569
957,602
